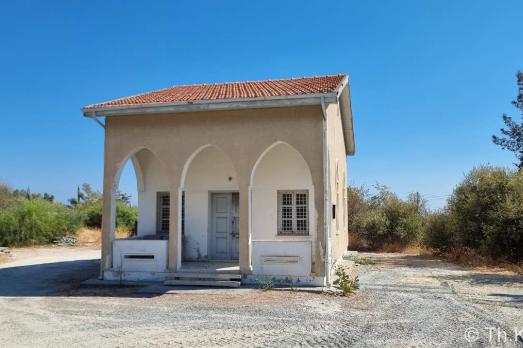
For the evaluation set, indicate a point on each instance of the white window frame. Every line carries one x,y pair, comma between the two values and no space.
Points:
294,208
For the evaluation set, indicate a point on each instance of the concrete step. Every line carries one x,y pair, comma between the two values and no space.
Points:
206,276
209,283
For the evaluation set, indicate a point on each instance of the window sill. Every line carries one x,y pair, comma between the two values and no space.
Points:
287,234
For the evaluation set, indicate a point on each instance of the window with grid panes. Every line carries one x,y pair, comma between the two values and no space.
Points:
163,209
293,212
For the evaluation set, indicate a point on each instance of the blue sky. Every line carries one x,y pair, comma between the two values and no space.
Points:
429,78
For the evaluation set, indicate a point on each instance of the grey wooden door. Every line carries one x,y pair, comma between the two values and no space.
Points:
224,236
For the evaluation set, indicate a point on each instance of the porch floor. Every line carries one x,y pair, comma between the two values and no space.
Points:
210,267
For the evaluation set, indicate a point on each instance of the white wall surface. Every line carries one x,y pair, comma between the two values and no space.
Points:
337,155
282,258
124,247
154,180
209,171
282,168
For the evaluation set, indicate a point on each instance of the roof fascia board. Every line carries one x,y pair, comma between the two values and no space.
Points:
345,107
342,85
223,104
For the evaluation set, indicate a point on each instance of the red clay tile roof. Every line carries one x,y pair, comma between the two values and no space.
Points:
232,90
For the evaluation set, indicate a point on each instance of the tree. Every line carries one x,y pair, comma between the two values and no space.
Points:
512,138
87,195
123,198
27,194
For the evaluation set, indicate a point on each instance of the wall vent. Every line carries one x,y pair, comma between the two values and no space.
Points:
281,259
139,257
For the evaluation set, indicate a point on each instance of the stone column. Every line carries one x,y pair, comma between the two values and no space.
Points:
245,248
175,233
108,216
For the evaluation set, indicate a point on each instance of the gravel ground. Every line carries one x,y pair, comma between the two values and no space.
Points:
404,301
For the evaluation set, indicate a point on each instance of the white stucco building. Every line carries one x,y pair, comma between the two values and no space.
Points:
236,181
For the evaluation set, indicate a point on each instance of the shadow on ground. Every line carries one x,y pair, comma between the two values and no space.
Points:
58,279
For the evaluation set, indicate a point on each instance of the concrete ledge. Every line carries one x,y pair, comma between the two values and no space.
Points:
95,282
136,276
284,281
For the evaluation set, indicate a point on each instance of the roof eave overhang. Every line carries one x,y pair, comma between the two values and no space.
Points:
211,105
345,106
347,121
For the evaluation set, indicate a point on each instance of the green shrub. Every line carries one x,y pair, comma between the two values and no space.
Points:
36,221
126,216
486,211
344,282
92,213
383,218
372,225
404,222
8,227
437,232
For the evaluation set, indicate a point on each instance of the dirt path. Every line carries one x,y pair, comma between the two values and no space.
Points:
431,300
404,301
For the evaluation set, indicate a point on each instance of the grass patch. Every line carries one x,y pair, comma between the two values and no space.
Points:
361,260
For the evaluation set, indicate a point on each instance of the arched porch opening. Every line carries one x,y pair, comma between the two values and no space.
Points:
151,186
282,211
209,210
146,250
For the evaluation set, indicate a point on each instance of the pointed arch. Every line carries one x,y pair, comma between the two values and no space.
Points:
271,148
207,171
188,163
137,166
280,172
151,178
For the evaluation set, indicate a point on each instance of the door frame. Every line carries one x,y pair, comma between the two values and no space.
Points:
210,225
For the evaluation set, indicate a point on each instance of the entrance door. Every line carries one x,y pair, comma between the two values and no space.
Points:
225,226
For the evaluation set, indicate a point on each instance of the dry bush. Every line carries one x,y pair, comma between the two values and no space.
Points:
89,236
397,247
467,257
123,232
4,258
356,242
93,236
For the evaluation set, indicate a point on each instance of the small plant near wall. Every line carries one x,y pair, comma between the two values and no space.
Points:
120,272
344,282
265,283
